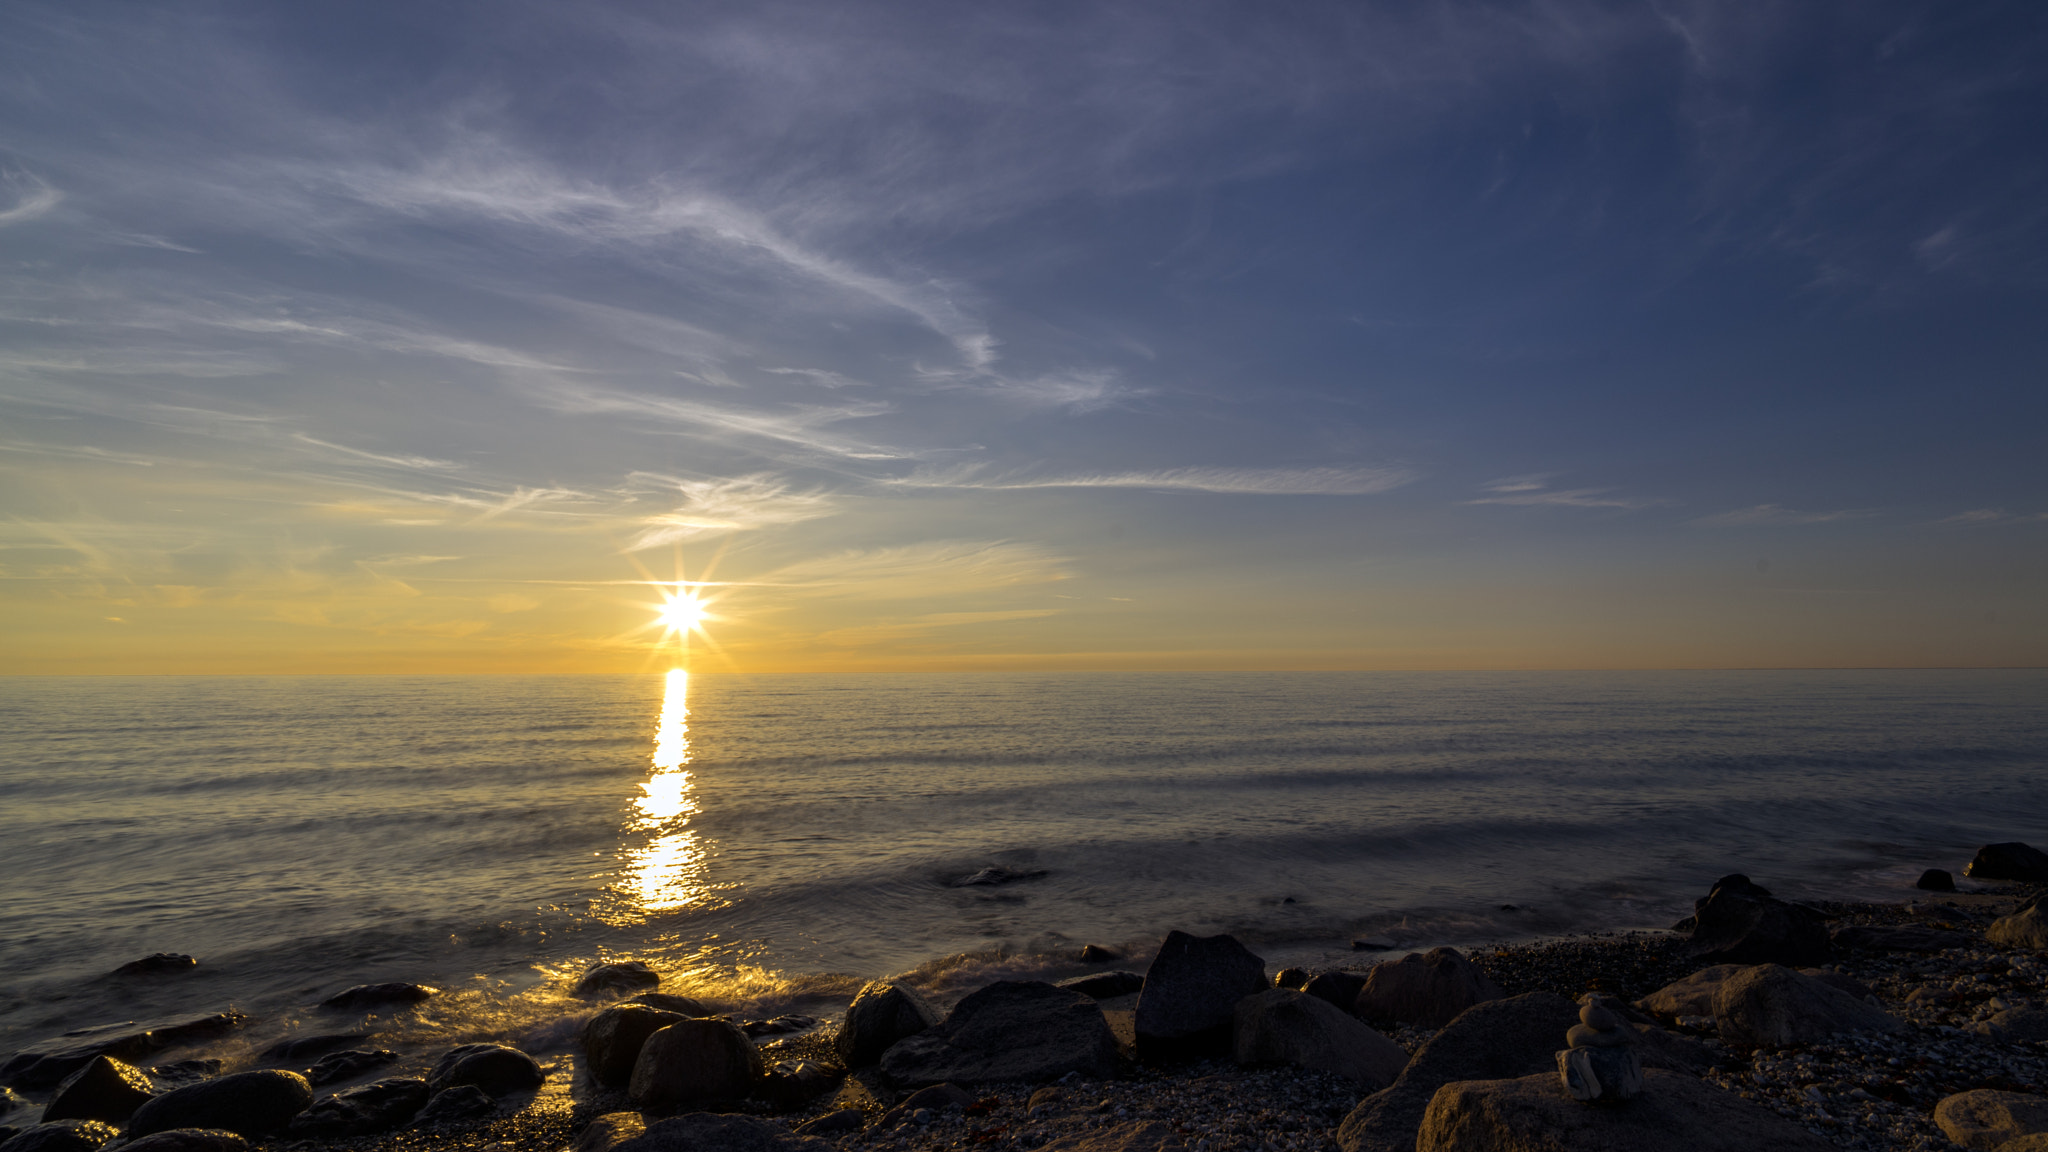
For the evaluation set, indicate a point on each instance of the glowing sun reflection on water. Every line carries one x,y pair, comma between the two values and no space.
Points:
669,872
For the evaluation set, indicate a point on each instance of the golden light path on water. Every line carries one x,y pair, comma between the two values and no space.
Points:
669,872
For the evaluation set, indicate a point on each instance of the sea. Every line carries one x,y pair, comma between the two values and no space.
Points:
771,842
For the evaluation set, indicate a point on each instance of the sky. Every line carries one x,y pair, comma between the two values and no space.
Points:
418,337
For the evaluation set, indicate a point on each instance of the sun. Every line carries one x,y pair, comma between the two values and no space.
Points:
682,612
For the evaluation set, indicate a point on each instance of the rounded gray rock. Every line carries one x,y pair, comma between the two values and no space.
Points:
1283,1026
1192,987
497,1069
105,1089
879,1016
1019,1030
250,1104
692,1061
1427,989
613,1038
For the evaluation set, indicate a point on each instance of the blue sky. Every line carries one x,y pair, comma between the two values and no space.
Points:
381,337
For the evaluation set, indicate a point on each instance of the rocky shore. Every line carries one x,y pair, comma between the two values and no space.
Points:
1757,1022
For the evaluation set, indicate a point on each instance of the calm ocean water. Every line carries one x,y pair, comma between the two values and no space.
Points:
792,834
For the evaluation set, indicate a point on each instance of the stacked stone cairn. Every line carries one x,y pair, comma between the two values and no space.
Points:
1601,1064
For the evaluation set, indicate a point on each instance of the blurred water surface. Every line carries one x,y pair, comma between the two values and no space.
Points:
789,832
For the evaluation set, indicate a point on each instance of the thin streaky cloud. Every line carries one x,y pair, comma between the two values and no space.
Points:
36,199
1234,481
1773,515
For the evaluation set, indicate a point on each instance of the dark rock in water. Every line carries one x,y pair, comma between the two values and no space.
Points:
1104,985
694,1061
292,1051
2009,861
1190,989
1283,1026
497,1069
1370,946
162,963
1936,880
1908,939
1339,988
250,1104
1010,1030
682,1005
11,1100
1427,989
179,1073
618,979
127,1041
613,1038
377,1107
105,1089
189,1140
780,1026
834,1123
1097,954
1291,978
1742,923
710,1132
993,876
61,1136
347,1065
378,996
1497,1040
455,1106
879,1016
1673,1113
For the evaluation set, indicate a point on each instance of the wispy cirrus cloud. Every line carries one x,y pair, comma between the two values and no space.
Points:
1328,481
1772,515
1535,492
732,504
940,567
25,197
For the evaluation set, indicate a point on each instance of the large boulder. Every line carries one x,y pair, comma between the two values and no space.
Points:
1673,1113
377,1107
710,1132
1339,988
365,996
1742,923
497,1069
694,1061
105,1089
613,1038
2026,928
1282,1026
882,1014
1986,1118
1500,1039
1428,989
2009,861
1190,990
61,1136
1772,1005
250,1104
1010,1030
1691,996
619,978
348,1065
189,1140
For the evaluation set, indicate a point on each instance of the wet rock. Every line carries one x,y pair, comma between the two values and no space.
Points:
1097,954
1935,880
1772,1005
179,1073
790,1088
780,1025
1339,988
366,996
1010,1030
1903,939
496,1069
1190,990
1692,996
994,876
377,1107
1742,923
11,1100
1104,985
710,1132
292,1051
609,1131
189,1140
1985,1118
1137,1136
2026,928
159,964
105,1089
1495,1040
1283,1026
880,1016
694,1061
834,1123
618,979
2009,861
127,1041
457,1105
1427,989
1673,1113
613,1038
61,1136
1295,978
937,1098
338,1066
250,1104
681,1005
2016,1026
